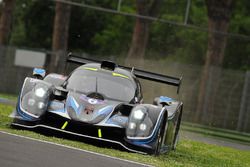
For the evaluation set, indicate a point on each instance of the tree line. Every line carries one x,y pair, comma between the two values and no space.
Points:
33,24
60,27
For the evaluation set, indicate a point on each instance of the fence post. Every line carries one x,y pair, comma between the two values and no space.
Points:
119,5
243,105
187,12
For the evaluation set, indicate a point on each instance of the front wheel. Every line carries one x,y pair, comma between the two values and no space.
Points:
175,142
158,143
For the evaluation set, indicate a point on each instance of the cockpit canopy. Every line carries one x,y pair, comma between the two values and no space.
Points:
109,84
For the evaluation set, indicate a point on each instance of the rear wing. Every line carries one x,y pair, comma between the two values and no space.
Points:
174,81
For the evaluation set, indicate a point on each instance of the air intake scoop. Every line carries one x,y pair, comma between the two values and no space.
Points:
108,65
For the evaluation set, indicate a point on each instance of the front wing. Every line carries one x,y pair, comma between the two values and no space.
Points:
55,124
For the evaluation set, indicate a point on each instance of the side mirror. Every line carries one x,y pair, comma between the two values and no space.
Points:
39,73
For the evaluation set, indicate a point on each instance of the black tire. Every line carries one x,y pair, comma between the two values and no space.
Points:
158,143
175,141
176,135
160,137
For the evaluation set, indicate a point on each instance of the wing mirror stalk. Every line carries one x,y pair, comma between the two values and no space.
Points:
60,93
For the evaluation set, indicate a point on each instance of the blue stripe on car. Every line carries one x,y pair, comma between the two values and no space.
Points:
71,102
165,99
105,110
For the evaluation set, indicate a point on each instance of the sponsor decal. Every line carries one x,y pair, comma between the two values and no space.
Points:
91,100
89,109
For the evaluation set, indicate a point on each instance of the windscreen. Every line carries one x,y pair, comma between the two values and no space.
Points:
111,87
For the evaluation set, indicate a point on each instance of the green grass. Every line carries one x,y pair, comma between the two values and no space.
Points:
188,153
9,96
217,132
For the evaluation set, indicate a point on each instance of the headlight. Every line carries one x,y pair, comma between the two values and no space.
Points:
40,92
138,114
31,102
132,125
143,127
41,105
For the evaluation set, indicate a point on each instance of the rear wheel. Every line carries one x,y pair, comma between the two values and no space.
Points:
176,134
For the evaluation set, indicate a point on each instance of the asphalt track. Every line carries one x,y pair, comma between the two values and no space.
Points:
18,151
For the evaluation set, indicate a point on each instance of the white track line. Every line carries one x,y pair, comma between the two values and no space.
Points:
73,148
91,137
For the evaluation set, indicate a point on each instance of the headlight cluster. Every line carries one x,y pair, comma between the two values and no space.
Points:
41,93
139,124
35,101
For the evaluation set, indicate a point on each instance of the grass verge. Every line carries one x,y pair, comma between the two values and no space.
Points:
188,153
217,132
8,96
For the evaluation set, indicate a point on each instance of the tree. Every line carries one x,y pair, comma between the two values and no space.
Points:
141,28
240,23
6,20
86,24
60,34
219,13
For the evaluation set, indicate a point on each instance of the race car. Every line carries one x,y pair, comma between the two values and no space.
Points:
101,101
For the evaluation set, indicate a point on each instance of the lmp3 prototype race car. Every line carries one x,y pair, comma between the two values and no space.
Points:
101,101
